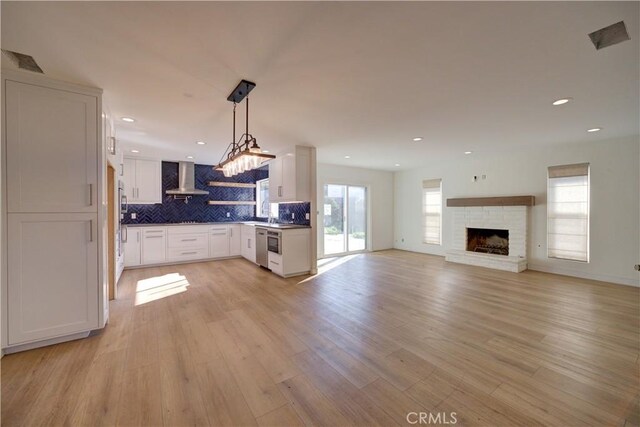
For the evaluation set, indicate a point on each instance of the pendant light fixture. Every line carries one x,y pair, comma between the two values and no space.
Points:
245,153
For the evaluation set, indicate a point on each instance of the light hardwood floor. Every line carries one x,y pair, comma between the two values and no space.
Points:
371,339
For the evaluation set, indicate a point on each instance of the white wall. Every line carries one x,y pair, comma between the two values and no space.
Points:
615,202
380,192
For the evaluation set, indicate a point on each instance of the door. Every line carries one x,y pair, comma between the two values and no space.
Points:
345,219
218,242
129,178
275,180
111,230
132,246
52,143
148,181
154,246
52,275
234,240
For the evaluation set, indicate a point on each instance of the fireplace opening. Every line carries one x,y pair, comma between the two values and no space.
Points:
488,241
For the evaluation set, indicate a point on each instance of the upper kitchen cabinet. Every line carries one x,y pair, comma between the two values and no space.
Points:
290,176
51,142
143,181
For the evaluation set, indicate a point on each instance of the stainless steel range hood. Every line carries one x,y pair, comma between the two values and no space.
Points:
186,181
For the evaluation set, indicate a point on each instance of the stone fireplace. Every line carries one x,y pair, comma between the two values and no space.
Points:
488,235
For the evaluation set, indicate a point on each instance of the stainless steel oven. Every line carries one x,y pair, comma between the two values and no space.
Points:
274,242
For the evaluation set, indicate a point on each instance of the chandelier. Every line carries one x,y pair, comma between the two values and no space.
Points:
245,153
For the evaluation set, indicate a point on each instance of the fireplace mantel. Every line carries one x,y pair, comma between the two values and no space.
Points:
492,201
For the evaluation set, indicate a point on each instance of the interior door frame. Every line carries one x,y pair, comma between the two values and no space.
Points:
367,247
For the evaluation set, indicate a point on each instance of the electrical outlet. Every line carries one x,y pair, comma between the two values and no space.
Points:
228,215
134,215
293,215
307,216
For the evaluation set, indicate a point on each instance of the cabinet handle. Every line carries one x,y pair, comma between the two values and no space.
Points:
125,202
90,230
154,231
231,232
218,234
279,190
90,194
188,240
126,234
273,262
249,244
188,253
138,237
152,237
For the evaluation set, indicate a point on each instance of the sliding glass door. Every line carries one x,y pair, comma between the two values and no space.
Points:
345,219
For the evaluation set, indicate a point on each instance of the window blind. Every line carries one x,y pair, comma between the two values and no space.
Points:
568,212
432,211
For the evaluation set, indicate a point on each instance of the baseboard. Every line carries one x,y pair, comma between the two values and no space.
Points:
37,344
573,273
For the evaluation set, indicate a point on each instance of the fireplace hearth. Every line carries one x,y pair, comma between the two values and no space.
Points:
488,241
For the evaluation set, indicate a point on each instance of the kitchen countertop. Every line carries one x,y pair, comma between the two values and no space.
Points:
252,223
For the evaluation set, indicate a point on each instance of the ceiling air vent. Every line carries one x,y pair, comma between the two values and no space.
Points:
25,62
608,36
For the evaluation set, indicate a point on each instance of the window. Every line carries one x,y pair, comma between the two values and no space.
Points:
432,211
568,212
262,198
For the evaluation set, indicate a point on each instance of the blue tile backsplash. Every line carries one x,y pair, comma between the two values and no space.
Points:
175,211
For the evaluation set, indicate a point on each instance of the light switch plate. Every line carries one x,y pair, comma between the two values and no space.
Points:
228,214
306,216
134,215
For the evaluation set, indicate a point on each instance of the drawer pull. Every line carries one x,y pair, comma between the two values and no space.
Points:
153,237
154,231
189,240
273,262
189,253
218,234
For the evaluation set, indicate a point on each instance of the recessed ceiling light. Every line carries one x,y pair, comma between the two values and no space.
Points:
200,142
134,151
265,151
417,138
468,152
347,157
594,130
128,119
561,101
397,164
189,157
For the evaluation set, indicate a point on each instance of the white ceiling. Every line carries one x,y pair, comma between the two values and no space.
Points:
359,79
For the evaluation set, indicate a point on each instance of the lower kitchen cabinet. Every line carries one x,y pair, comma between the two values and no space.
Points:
219,241
295,258
148,245
132,247
248,242
52,272
235,241
154,245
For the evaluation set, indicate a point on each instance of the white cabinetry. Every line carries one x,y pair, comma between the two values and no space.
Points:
296,257
52,275
188,242
290,176
219,241
143,181
234,240
248,242
55,283
52,142
132,246
154,245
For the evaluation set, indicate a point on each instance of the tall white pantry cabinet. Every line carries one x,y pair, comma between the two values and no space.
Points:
53,211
